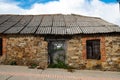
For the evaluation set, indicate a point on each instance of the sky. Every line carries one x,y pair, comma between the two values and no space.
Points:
105,9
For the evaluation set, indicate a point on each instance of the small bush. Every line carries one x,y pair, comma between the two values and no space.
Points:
13,63
97,66
32,65
59,64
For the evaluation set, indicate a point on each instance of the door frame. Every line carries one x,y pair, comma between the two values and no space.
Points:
65,47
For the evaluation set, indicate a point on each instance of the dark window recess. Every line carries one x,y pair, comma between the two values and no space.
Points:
93,49
0,46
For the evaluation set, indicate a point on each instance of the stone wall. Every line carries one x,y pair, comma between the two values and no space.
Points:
74,52
4,47
26,49
93,63
112,44
109,48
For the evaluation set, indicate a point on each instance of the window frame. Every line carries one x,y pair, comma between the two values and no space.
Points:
93,49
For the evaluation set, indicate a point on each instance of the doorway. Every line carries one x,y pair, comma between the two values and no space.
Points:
56,51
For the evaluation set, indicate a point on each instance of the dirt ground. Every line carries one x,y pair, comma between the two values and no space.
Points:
8,72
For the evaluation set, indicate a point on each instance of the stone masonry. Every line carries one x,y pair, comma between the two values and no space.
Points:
26,49
109,48
92,63
112,48
74,52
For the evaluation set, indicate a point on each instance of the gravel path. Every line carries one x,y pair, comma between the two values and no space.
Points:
23,73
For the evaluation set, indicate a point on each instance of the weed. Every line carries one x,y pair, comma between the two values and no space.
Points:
13,63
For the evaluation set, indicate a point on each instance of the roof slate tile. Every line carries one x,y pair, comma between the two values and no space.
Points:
57,24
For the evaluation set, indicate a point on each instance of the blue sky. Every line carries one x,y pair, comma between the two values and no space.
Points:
26,4
109,1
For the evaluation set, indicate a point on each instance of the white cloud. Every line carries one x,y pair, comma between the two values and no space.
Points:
109,12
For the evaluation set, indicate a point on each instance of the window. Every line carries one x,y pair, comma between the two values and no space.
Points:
0,46
93,49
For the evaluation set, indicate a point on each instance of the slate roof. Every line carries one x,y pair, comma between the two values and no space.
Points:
57,24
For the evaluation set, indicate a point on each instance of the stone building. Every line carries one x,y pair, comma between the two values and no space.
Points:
79,41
